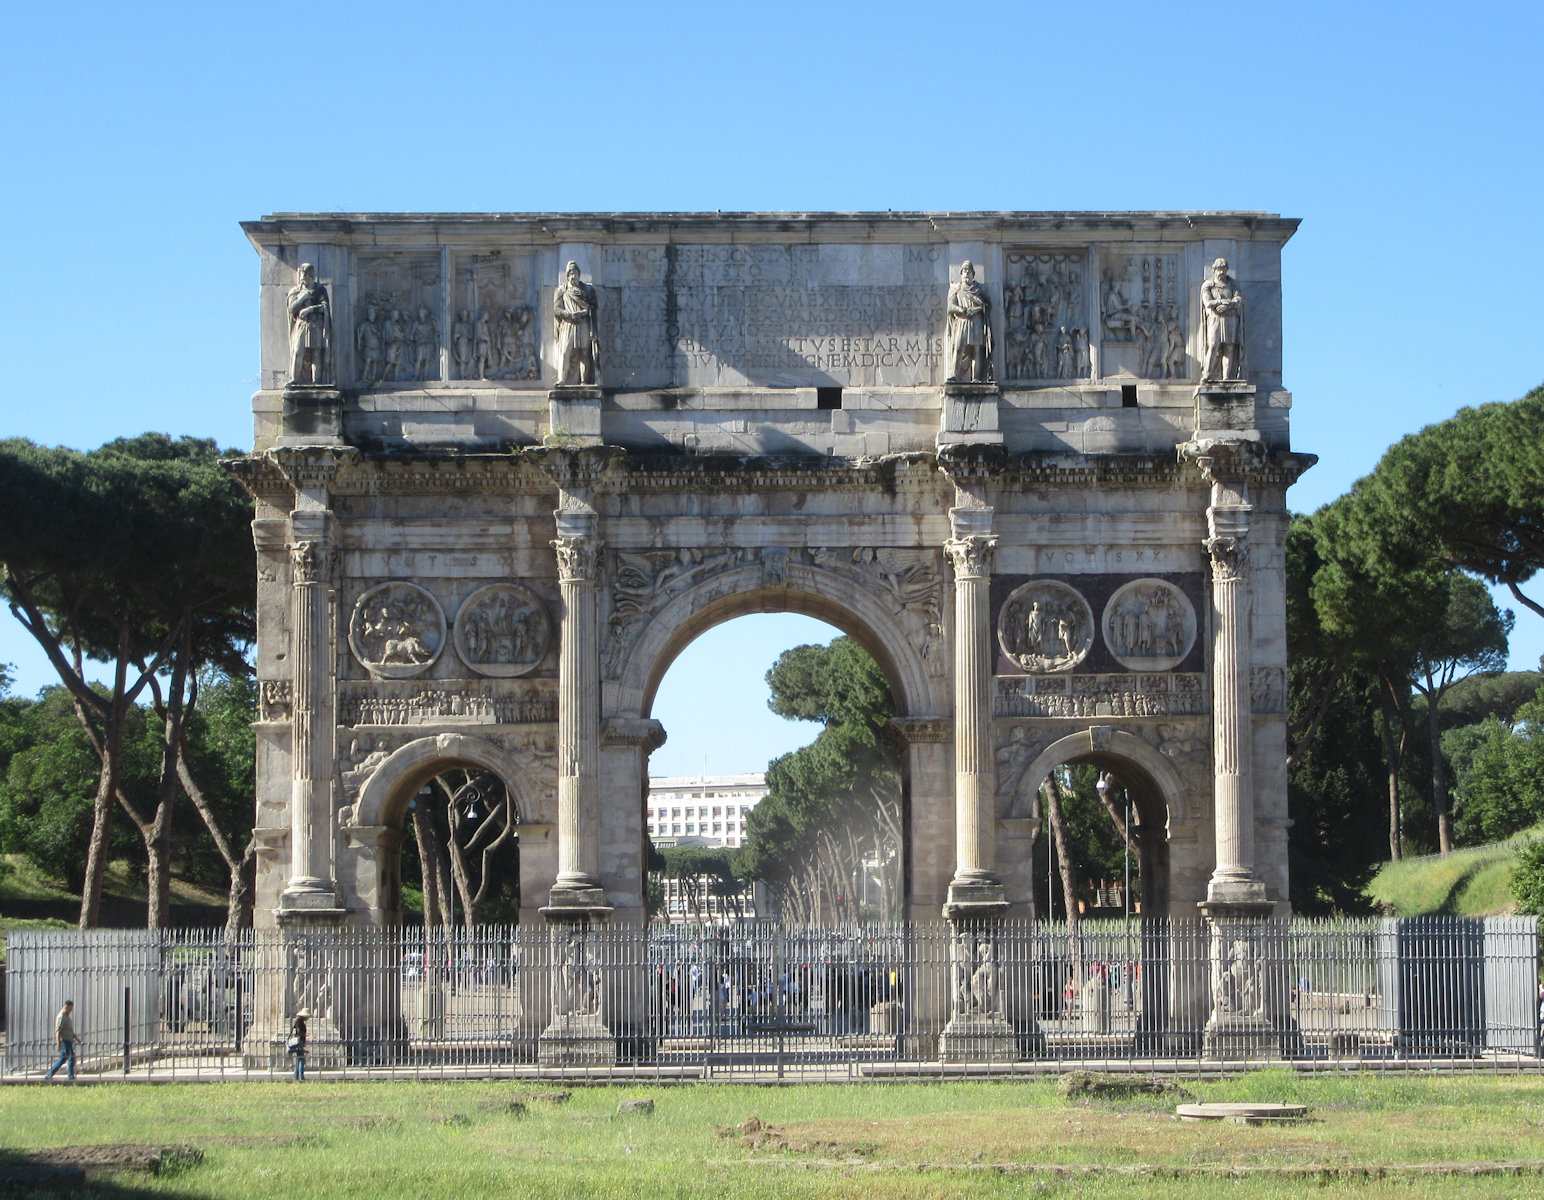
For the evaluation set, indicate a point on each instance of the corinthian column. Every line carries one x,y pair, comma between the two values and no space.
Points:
1227,518
313,554
975,889
578,883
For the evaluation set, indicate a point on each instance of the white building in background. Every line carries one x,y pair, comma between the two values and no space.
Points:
702,810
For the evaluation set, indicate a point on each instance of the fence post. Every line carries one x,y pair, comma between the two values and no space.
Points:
125,1031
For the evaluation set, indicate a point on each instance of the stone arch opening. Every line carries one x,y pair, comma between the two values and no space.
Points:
1159,799
881,630
385,800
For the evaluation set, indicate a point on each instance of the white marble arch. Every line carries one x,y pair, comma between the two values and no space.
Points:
837,599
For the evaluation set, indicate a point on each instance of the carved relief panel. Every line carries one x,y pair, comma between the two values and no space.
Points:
1045,325
502,630
1045,626
397,333
495,332
1142,317
1149,625
397,630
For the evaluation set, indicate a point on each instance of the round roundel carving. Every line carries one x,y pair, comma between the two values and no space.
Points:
1046,626
397,630
502,630
1149,625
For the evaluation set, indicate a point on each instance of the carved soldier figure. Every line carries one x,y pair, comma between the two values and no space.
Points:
367,344
310,315
482,347
970,329
461,343
1222,307
426,344
1174,344
574,309
393,339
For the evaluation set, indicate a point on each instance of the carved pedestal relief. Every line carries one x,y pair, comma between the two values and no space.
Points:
1043,310
502,630
1045,626
1142,313
1149,625
397,630
403,292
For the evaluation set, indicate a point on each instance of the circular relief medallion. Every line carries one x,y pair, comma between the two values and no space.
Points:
1046,626
397,630
1149,625
502,630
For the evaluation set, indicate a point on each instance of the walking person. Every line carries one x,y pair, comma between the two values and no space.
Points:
64,1038
297,1043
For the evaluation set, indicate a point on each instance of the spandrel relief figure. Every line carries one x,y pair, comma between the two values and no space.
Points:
1045,626
1222,306
574,312
969,342
367,345
393,343
461,344
425,337
310,317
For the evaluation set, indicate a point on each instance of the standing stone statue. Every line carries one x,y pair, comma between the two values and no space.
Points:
1222,307
969,342
573,308
310,315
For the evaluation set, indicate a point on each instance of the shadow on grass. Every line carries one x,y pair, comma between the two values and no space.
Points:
101,1171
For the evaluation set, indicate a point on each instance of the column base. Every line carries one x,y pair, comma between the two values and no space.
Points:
576,1040
970,414
585,902
1241,901
975,899
978,1039
573,414
312,416
1239,1036
1225,406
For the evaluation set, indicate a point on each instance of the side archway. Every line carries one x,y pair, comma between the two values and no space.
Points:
386,794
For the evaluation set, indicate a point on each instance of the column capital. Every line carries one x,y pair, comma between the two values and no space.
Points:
578,558
313,560
972,555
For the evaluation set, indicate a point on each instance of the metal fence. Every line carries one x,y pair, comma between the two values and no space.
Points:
759,1001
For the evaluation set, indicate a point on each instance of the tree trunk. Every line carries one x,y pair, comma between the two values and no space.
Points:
157,833
1069,873
238,910
1439,789
431,857
1392,756
111,750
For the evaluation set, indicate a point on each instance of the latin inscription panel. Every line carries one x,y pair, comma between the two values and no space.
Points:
772,315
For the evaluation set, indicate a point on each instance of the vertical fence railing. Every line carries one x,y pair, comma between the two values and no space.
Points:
759,1001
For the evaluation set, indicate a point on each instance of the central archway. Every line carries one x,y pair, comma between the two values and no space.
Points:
902,632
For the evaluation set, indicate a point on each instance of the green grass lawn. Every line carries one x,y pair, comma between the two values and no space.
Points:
1404,1136
1472,882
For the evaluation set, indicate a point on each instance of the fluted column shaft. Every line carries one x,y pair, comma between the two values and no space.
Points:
975,766
1232,726
578,714
311,757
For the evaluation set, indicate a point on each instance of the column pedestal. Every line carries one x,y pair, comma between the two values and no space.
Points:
970,414
573,415
978,1030
1239,1027
577,1035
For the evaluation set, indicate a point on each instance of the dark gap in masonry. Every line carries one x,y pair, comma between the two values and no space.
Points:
828,397
1128,395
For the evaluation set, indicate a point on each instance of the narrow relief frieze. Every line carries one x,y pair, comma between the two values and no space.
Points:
1174,694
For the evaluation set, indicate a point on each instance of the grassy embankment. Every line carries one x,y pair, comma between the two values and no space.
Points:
1473,882
1367,1136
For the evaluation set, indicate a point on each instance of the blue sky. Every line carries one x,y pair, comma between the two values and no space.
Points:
1406,136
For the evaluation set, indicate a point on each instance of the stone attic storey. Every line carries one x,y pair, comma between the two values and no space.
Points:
508,465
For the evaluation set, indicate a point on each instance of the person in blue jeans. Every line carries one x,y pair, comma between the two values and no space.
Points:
64,1038
297,1043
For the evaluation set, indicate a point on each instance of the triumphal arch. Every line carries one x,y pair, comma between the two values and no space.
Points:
508,465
